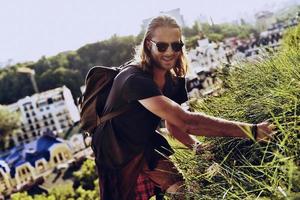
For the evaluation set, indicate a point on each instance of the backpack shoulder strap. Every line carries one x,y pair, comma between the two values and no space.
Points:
123,109
111,115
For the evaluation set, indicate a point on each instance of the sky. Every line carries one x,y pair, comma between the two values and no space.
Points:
31,29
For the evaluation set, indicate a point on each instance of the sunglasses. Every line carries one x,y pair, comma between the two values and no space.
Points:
163,46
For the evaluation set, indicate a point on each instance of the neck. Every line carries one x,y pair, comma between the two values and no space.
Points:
159,76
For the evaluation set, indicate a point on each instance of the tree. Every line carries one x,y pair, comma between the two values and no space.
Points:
13,85
63,192
86,176
216,37
190,32
21,196
60,76
86,194
191,42
9,124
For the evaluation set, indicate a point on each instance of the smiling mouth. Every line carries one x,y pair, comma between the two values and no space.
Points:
168,59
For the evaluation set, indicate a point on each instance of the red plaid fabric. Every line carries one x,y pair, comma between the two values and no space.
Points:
144,188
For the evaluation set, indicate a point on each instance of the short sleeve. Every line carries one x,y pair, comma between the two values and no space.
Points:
138,86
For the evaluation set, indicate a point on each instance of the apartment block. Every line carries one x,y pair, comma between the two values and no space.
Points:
50,111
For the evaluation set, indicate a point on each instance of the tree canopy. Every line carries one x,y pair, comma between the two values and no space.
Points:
9,124
69,68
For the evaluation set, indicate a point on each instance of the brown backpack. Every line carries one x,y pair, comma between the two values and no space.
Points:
98,81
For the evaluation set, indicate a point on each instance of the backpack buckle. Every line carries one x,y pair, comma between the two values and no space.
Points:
87,138
86,134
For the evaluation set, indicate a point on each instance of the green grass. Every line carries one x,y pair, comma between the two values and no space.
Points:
241,169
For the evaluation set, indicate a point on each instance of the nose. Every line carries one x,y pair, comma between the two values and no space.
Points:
169,50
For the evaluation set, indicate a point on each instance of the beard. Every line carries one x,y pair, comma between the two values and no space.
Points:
157,64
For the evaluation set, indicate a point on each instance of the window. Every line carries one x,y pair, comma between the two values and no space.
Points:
55,160
27,115
50,100
44,117
33,113
34,134
52,122
46,123
41,167
29,121
62,95
38,126
60,156
20,138
31,128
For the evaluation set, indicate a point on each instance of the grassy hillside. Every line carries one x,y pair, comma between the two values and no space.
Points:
268,89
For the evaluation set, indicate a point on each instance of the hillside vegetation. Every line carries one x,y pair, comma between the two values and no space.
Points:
268,89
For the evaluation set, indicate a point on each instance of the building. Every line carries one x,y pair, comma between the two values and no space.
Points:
173,13
205,59
29,164
50,111
264,19
207,56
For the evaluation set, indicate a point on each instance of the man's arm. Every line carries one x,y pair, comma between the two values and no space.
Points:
186,139
199,123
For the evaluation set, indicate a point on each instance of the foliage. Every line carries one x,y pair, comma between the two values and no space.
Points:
86,176
44,197
9,124
191,42
13,85
240,168
217,32
63,192
193,31
86,194
68,68
292,40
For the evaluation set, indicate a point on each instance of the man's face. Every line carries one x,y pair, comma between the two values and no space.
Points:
165,59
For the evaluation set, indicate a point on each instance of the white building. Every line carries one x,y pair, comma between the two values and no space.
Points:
207,56
53,110
264,19
205,59
175,13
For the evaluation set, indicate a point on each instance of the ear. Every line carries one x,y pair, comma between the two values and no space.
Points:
148,45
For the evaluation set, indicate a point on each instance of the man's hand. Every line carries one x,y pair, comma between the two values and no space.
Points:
265,131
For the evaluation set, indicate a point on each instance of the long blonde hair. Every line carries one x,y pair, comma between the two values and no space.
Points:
143,54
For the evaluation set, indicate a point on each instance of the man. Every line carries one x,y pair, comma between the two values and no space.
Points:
130,155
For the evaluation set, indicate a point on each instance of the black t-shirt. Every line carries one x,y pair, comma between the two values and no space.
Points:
135,128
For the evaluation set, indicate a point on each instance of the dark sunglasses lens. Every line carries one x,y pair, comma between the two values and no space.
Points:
177,46
161,46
